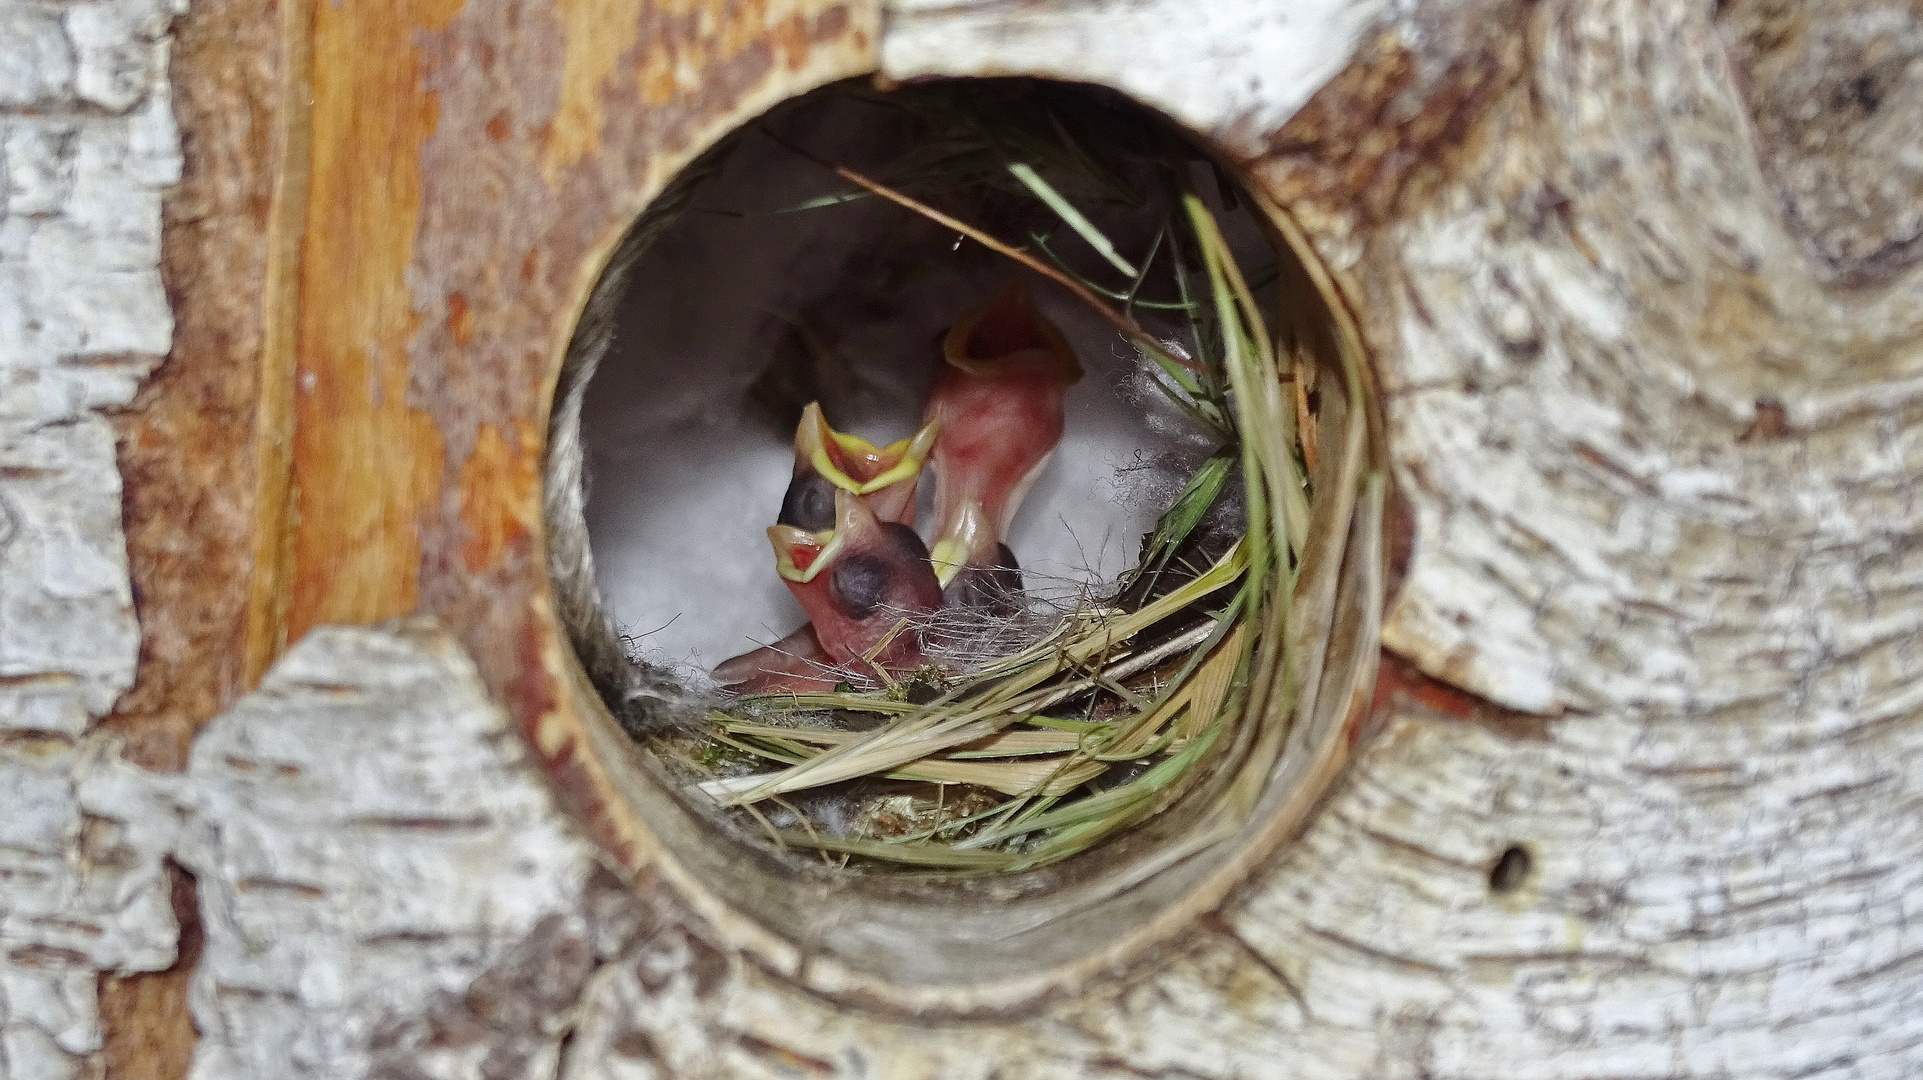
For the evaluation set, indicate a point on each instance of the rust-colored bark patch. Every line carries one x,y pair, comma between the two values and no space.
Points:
1398,681
1396,677
594,34
532,693
1771,423
500,494
186,454
148,1031
785,1058
1361,139
460,320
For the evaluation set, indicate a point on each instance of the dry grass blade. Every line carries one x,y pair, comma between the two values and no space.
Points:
938,856
937,728
1001,744
1209,688
1046,776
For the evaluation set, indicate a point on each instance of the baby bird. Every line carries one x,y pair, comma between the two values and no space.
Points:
827,461
997,403
857,583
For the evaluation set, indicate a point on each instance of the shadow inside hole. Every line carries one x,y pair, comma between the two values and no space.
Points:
1510,871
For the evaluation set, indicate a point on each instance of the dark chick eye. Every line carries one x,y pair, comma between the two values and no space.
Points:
809,503
858,585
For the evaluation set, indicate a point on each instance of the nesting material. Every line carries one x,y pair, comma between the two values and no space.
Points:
942,706
962,724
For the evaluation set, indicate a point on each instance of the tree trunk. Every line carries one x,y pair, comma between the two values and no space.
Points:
1640,285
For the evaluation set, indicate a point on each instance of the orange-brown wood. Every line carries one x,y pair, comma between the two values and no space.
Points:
186,447
366,462
197,482
280,290
469,169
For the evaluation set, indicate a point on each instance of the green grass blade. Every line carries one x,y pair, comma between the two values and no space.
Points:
1187,511
1083,227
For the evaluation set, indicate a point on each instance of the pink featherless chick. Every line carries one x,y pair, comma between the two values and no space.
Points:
862,583
795,664
997,405
828,462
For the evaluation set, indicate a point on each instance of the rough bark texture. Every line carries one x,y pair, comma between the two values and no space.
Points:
337,872
87,142
198,468
1641,281
187,453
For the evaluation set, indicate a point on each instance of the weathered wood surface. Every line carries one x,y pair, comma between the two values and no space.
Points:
426,350
1642,283
337,870
87,143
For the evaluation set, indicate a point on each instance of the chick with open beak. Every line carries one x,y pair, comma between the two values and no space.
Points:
998,405
862,584
880,483
827,461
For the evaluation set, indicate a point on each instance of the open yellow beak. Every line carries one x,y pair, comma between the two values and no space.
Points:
854,464
800,554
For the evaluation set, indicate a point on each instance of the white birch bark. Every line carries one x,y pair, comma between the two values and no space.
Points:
385,881
1586,331
87,142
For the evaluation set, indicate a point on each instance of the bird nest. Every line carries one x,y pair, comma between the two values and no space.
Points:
940,710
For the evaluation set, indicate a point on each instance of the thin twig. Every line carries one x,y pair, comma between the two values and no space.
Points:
1127,326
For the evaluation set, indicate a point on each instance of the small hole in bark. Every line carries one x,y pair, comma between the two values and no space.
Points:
1862,92
761,287
1511,870
1771,423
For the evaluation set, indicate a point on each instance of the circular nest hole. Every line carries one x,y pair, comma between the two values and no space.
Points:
766,316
